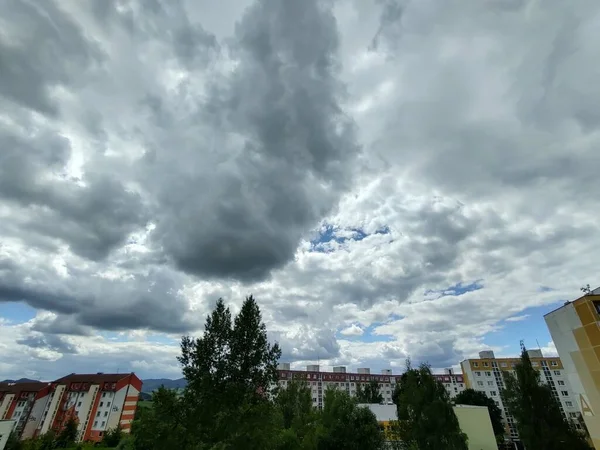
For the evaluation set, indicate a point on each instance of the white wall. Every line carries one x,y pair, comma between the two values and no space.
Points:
35,416
6,426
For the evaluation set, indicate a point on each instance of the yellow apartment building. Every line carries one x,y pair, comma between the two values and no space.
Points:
576,334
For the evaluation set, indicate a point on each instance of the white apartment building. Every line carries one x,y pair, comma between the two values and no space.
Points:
485,375
319,381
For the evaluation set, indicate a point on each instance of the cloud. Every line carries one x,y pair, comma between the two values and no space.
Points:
414,169
517,318
352,330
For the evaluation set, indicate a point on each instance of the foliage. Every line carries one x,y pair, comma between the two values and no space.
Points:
348,426
298,417
540,423
112,437
478,398
67,436
13,442
369,393
426,419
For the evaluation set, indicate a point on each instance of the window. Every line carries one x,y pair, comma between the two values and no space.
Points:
557,372
503,364
460,385
490,383
561,382
98,414
569,404
477,374
534,364
79,404
486,364
103,394
475,364
564,393
95,424
480,383
493,393
101,404
488,374
103,423
554,363
105,413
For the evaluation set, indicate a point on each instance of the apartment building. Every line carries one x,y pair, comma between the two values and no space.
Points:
98,402
319,381
576,335
18,400
485,375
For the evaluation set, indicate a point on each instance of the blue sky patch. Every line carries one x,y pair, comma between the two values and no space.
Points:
17,312
329,233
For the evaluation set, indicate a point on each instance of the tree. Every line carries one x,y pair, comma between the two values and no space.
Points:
426,419
13,442
478,398
112,437
229,371
369,393
68,435
161,426
540,423
347,426
586,289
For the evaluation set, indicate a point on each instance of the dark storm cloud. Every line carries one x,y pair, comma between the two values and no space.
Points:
50,342
41,48
93,219
290,149
146,300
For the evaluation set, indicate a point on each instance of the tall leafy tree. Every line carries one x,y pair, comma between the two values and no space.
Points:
229,371
478,398
426,419
347,426
67,435
369,393
540,423
299,420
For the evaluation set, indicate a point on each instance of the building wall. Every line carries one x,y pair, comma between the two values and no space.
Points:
5,405
319,382
52,409
6,427
575,332
475,422
486,375
35,416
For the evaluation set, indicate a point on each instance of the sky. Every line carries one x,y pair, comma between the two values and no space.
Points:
389,178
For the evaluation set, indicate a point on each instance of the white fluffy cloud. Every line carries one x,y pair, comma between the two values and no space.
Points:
389,179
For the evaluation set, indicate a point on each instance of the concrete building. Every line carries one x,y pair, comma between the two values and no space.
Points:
474,421
6,427
485,375
98,402
319,381
18,403
575,331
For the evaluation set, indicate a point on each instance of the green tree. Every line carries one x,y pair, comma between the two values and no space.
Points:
13,442
300,421
540,423
426,419
478,398
229,371
67,436
162,425
347,426
112,437
369,393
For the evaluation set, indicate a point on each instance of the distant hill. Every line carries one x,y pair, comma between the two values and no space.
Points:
20,380
153,384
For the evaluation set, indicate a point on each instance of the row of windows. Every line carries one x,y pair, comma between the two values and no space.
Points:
512,364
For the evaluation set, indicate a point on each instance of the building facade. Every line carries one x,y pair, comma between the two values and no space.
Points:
485,375
575,331
18,403
319,381
97,402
